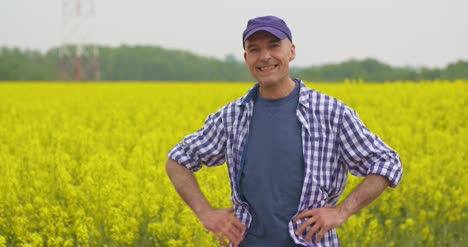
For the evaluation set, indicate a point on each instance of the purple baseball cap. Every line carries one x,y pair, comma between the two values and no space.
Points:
271,24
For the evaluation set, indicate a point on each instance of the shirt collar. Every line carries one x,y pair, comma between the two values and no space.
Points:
252,94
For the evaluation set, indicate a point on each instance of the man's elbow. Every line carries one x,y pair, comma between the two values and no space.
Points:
171,166
379,180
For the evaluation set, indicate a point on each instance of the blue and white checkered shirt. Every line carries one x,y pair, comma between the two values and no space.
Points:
335,142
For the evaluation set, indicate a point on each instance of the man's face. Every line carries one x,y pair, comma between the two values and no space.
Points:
268,58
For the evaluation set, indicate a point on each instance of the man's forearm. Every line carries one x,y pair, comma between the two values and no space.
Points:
364,194
221,222
186,185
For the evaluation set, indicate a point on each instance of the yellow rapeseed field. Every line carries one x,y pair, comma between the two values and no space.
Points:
82,164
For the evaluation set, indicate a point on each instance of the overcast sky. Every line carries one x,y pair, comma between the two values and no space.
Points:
429,33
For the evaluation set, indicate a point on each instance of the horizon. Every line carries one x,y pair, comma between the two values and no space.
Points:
293,66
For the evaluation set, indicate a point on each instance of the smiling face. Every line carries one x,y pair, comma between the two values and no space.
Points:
268,59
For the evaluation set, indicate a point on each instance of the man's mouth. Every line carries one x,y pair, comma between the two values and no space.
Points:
267,68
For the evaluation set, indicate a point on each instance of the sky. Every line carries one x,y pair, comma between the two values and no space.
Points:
429,33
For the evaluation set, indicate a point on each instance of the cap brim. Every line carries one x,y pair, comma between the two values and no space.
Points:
275,32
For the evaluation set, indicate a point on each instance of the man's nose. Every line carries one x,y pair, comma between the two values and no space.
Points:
265,54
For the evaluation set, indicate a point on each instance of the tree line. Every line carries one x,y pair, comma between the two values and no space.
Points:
153,63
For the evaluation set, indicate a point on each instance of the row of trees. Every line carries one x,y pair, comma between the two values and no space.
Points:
150,63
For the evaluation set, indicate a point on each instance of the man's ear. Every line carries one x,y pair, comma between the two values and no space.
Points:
245,56
293,52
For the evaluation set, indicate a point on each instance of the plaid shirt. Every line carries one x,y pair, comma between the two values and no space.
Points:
335,142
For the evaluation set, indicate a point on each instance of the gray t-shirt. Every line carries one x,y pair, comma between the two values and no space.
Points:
273,174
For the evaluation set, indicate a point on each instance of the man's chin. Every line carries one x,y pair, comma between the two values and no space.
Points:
267,81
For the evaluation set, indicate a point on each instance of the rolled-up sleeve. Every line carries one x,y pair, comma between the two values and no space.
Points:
206,146
365,153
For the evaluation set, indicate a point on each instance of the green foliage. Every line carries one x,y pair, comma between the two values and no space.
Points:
153,63
371,70
16,64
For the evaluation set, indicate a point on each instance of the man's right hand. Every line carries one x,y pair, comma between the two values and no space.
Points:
224,225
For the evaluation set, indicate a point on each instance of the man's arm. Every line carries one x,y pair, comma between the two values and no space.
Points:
221,222
364,154
363,195
327,218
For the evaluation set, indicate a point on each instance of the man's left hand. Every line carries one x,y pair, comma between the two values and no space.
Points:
321,220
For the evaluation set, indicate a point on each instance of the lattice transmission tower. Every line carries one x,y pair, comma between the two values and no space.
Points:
78,53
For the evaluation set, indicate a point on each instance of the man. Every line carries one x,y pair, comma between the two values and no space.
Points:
288,150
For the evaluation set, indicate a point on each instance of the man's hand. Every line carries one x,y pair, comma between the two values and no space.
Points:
224,225
321,220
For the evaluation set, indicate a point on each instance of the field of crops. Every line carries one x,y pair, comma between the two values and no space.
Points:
83,164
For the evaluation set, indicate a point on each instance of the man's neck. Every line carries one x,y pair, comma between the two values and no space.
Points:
277,91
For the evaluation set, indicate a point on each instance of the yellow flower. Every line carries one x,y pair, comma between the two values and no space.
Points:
2,241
